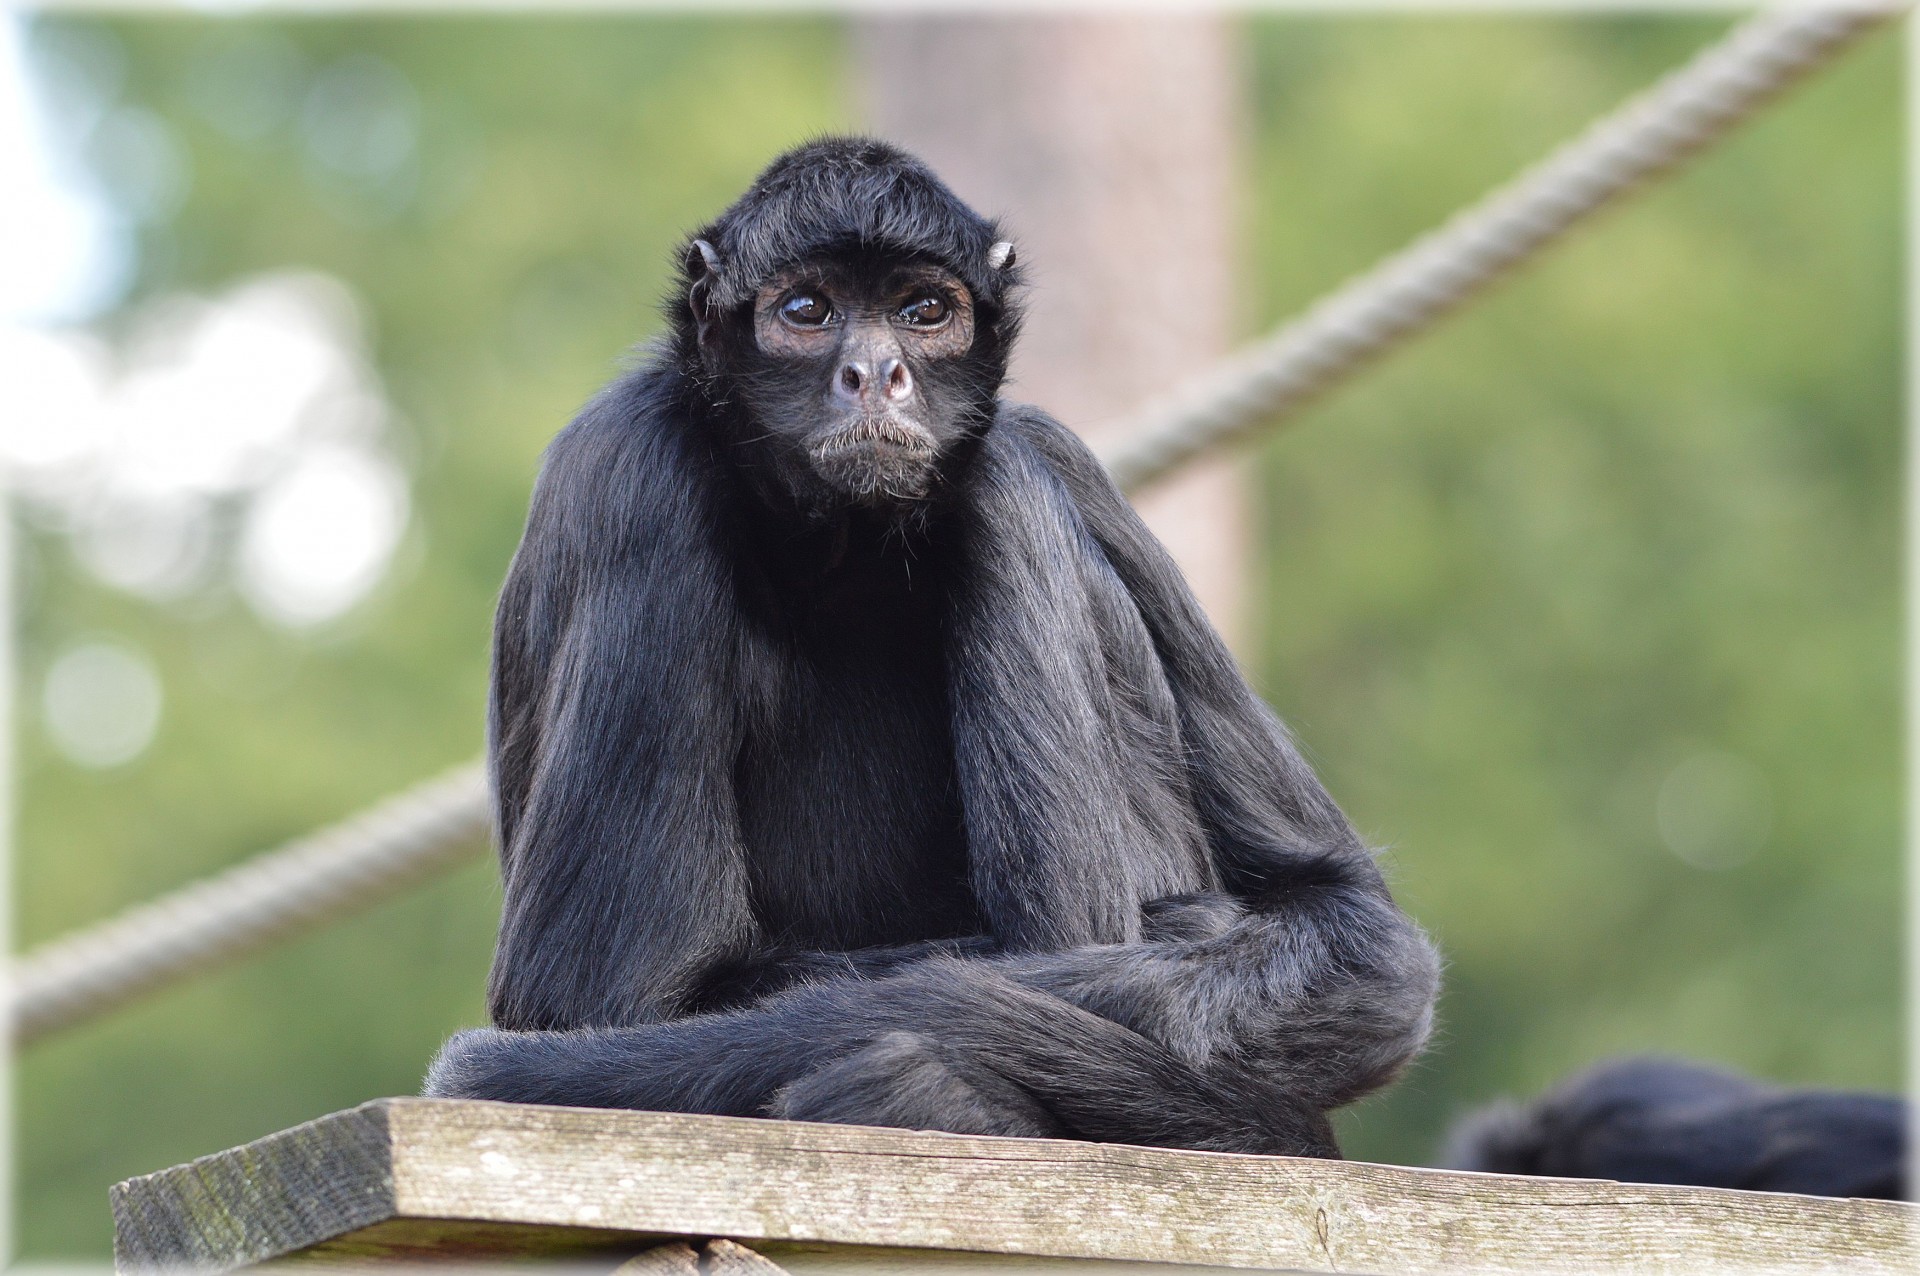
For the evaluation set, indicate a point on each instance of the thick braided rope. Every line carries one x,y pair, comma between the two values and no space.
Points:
1278,375
299,887
435,826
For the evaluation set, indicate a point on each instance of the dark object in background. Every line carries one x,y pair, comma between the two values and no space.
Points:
859,756
1665,1121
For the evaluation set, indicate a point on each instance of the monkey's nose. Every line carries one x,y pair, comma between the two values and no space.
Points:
898,380
858,378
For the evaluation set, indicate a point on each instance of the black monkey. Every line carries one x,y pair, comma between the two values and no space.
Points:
859,756
1667,1121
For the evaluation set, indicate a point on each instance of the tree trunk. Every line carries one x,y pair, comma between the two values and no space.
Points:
1108,143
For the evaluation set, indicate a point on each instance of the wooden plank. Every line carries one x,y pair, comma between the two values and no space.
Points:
435,1240
519,1180
275,1195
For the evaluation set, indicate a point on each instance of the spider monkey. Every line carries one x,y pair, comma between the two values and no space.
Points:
859,756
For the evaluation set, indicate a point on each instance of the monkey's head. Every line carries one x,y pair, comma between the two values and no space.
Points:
850,320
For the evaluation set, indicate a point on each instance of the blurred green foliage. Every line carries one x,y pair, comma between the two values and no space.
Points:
1640,507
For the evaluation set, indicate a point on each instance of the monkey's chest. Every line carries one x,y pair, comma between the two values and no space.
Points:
848,799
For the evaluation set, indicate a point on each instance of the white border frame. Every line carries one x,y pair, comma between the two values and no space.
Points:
323,8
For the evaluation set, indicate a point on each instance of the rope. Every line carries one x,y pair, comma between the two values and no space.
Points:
418,834
405,839
1280,374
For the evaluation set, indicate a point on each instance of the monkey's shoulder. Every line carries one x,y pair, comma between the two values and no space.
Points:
637,422
628,469
1029,438
1029,426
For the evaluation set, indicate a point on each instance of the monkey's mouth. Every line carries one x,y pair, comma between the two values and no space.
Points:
876,459
878,436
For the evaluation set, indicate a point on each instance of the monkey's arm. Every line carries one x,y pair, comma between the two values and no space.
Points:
612,736
1281,845
1072,815
1268,816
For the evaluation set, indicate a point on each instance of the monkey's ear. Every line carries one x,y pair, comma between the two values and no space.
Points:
709,258
1000,256
703,264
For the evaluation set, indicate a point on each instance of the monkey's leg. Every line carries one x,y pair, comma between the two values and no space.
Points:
1237,1031
995,1039
1296,1007
1326,997
1050,1067
912,1082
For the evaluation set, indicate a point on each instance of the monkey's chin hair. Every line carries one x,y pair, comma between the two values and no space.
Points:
876,461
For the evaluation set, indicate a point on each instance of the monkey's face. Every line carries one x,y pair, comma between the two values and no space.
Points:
859,374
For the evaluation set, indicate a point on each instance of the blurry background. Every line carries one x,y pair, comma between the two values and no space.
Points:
1587,607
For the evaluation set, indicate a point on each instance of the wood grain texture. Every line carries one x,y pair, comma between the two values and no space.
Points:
546,1177
275,1195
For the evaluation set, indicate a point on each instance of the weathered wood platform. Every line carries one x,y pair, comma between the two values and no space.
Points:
444,1179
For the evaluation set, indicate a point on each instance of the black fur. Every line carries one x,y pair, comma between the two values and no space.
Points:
955,814
1664,1121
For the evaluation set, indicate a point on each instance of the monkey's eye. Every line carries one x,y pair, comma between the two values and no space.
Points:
805,310
924,312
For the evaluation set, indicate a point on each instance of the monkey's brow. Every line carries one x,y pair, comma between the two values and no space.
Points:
916,279
777,289
920,272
